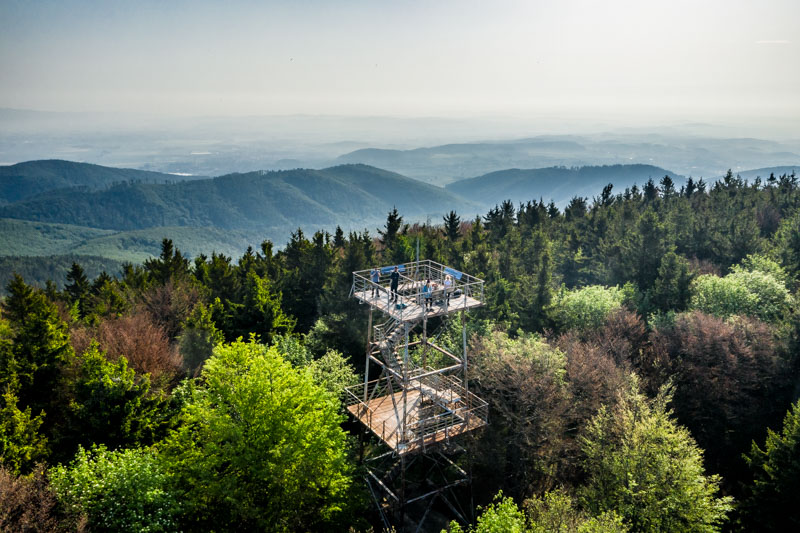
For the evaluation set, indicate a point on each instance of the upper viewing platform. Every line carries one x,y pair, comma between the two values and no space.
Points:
449,290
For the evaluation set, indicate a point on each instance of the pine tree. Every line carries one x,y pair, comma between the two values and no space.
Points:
773,501
40,346
452,226
77,288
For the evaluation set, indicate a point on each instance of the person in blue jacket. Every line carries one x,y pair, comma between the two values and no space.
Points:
427,293
375,275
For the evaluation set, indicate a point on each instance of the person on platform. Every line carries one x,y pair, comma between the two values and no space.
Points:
427,294
394,277
375,275
448,288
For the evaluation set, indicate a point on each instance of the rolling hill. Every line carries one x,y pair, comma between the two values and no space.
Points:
272,202
764,173
555,183
687,155
24,180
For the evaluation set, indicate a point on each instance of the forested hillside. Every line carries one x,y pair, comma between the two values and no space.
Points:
638,351
695,154
258,200
559,184
28,179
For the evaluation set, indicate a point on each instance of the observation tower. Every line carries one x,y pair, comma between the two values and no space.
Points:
420,400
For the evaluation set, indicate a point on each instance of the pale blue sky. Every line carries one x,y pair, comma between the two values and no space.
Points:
732,58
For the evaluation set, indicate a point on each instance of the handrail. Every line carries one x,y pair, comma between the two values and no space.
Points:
469,285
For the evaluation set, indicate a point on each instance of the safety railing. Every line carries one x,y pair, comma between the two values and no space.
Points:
412,278
455,411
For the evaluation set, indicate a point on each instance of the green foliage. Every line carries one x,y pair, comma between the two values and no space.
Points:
671,290
259,312
555,512
77,288
198,338
762,263
125,490
742,292
502,516
259,446
333,373
39,345
643,465
107,403
588,307
787,244
773,500
293,350
21,445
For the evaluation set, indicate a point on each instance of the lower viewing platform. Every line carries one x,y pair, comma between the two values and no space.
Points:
431,410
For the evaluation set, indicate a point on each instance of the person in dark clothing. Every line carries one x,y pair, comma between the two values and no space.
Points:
394,277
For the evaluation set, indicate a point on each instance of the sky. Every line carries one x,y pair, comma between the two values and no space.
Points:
688,59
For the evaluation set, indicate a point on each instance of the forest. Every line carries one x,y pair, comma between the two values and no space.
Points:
638,351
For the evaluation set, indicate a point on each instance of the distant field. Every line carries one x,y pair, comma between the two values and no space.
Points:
136,246
22,238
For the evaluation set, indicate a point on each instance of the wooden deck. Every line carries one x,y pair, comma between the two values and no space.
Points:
414,309
384,414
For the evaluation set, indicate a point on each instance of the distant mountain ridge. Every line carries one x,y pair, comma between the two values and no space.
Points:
25,180
274,202
559,184
764,173
698,157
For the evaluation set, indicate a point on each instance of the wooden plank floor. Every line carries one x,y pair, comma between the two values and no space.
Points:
382,420
413,310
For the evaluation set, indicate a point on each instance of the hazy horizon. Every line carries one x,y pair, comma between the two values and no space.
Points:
618,62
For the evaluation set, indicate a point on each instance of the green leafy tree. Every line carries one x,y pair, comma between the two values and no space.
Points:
752,293
21,444
501,516
773,500
762,263
259,447
588,307
333,373
125,490
555,512
106,403
644,466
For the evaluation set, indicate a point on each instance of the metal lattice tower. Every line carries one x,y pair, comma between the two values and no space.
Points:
421,399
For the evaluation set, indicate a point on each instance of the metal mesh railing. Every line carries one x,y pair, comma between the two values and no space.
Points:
452,410
412,278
